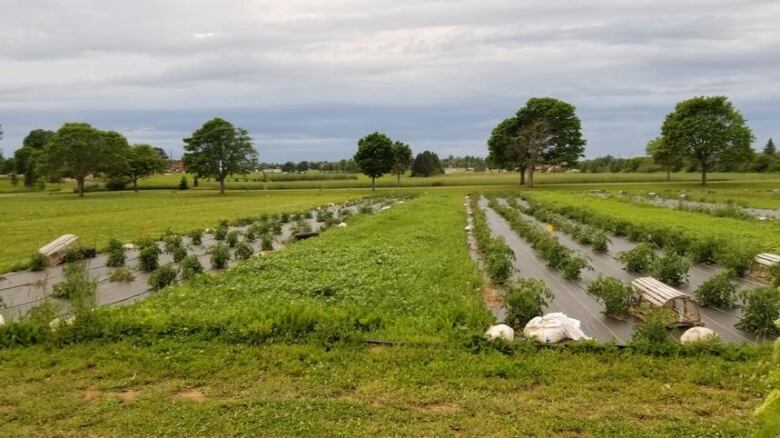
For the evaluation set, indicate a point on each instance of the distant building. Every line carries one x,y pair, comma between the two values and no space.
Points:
176,166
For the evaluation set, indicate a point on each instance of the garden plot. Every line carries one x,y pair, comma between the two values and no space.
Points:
22,291
571,297
707,207
722,321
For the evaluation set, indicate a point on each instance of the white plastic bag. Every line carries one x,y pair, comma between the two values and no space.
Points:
696,334
553,328
500,331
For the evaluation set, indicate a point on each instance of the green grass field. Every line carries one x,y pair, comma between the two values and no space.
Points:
31,220
277,346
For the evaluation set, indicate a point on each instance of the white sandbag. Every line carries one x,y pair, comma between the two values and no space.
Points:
386,207
553,328
60,321
500,331
696,334
342,225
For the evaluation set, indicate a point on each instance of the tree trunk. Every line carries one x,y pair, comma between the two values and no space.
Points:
531,177
703,176
373,183
80,183
669,175
399,179
522,176
135,185
222,186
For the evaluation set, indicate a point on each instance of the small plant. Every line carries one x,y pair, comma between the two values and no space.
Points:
718,291
301,226
77,287
148,258
243,251
267,242
163,276
121,274
600,242
572,268
498,259
38,262
639,259
220,255
762,309
220,232
72,255
179,253
250,235
190,267
774,274
525,300
671,269
172,241
232,238
615,294
651,333
116,254
285,217
366,209
196,237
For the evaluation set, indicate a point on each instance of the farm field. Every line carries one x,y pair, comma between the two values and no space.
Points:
365,329
30,220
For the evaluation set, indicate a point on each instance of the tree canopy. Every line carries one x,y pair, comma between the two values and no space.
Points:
708,131
770,149
374,156
143,161
669,158
37,138
218,149
79,150
402,159
426,164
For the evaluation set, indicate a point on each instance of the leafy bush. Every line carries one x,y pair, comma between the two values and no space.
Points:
573,267
671,269
148,258
250,235
639,259
196,237
172,241
183,183
267,242
121,274
366,209
190,267
179,253
163,276
736,257
718,291
525,300
38,262
73,254
301,226
116,254
762,308
220,255
232,238
615,294
243,251
651,334
498,258
77,286
599,241
221,232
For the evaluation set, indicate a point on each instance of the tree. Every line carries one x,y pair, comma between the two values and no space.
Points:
37,138
374,156
144,161
161,152
302,167
664,155
79,150
26,163
402,159
770,149
426,164
218,149
535,139
288,167
708,131
504,151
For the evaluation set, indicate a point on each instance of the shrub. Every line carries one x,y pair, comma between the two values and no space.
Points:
525,300
116,254
121,274
232,238
736,257
117,183
639,259
183,183
38,262
671,269
71,255
163,276
220,232
148,258
498,258
285,217
77,287
172,242
267,242
196,237
243,251
572,268
762,308
301,226
599,241
366,209
179,253
651,334
718,291
220,255
615,294
250,235
190,267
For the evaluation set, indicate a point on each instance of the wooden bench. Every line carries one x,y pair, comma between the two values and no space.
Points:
764,262
657,294
56,249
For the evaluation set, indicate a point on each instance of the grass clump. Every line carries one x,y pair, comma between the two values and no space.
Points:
615,294
116,254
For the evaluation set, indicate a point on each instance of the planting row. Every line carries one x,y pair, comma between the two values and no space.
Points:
495,253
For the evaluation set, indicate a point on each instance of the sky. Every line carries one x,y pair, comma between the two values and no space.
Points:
309,78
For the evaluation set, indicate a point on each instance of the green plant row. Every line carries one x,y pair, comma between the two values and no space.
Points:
557,255
584,234
496,254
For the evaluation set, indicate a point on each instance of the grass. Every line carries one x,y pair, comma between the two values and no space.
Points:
31,220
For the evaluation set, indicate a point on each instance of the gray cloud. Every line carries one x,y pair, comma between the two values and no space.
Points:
310,77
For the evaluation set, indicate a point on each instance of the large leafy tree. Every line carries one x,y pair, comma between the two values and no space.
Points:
374,156
79,150
668,157
535,138
504,151
426,164
37,138
143,161
27,158
218,149
708,131
402,159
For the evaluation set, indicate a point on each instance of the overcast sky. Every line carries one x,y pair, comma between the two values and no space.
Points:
308,78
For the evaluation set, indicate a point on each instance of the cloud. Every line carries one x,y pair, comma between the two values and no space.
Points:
310,77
